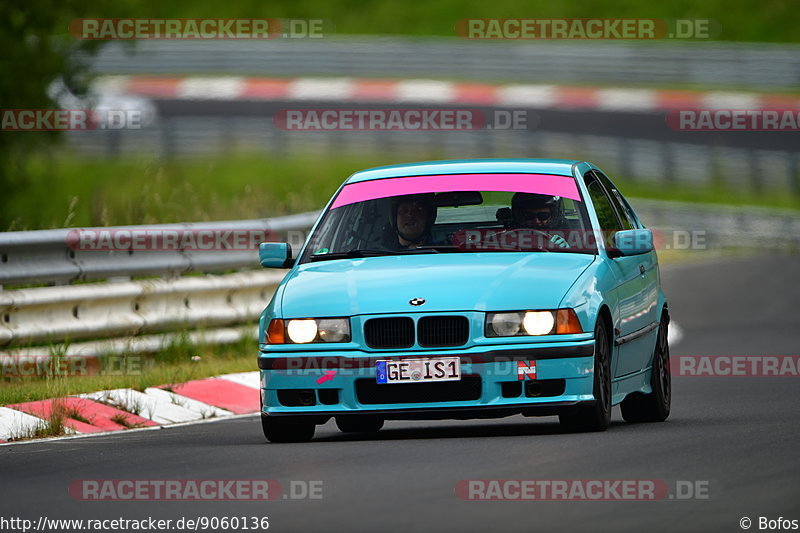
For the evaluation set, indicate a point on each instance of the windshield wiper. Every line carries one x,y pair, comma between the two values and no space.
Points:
438,248
350,254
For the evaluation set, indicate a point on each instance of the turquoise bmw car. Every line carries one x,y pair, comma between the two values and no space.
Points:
466,289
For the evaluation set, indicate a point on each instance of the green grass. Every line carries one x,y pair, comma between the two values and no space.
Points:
54,424
741,20
715,194
123,421
63,190
171,366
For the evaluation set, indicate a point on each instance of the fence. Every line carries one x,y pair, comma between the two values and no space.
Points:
142,314
754,65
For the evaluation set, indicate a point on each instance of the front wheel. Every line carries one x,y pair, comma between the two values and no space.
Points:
595,417
653,407
287,429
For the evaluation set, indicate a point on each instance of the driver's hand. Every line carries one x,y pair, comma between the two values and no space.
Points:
559,241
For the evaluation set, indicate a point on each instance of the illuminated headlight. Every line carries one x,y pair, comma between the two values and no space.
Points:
538,322
302,331
306,330
519,323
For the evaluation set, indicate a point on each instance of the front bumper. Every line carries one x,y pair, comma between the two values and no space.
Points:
337,383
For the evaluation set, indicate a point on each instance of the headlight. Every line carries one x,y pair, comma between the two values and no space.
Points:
301,331
523,323
306,330
334,329
505,324
538,322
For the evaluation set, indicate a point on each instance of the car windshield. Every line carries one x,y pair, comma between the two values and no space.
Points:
369,222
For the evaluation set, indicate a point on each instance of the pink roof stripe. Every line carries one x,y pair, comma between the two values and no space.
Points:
532,183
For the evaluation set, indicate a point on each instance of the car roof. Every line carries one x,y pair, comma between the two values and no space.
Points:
559,167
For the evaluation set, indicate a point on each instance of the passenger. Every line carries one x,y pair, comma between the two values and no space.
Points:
540,212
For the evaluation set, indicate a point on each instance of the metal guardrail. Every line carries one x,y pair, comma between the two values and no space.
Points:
724,226
632,147
125,310
50,256
757,65
132,316
632,152
103,310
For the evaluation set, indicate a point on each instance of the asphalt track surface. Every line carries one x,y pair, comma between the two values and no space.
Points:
740,435
650,126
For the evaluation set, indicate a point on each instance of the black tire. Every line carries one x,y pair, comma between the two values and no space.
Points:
359,424
595,417
653,407
280,429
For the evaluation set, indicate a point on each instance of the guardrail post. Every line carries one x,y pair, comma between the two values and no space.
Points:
624,156
755,175
113,143
668,162
794,175
167,138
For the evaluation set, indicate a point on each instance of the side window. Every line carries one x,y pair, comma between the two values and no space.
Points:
628,221
602,206
628,210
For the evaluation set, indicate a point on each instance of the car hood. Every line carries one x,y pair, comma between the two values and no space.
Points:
448,282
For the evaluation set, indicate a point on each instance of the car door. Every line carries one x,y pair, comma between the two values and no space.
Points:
629,272
648,309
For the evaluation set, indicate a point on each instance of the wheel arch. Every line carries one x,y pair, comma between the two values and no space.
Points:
665,311
604,314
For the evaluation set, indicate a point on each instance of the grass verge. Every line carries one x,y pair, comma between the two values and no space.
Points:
177,363
745,20
63,190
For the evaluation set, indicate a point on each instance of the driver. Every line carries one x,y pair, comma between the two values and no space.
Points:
540,212
412,217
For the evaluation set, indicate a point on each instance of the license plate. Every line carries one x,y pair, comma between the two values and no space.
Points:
418,370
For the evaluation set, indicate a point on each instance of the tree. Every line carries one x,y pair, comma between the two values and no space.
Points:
36,49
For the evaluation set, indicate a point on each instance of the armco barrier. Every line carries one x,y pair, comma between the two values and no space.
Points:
137,315
102,310
47,257
713,63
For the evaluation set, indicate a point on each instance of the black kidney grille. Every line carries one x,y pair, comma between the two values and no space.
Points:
434,331
369,392
394,332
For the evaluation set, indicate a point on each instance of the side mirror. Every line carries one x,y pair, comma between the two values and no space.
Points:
275,255
632,242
